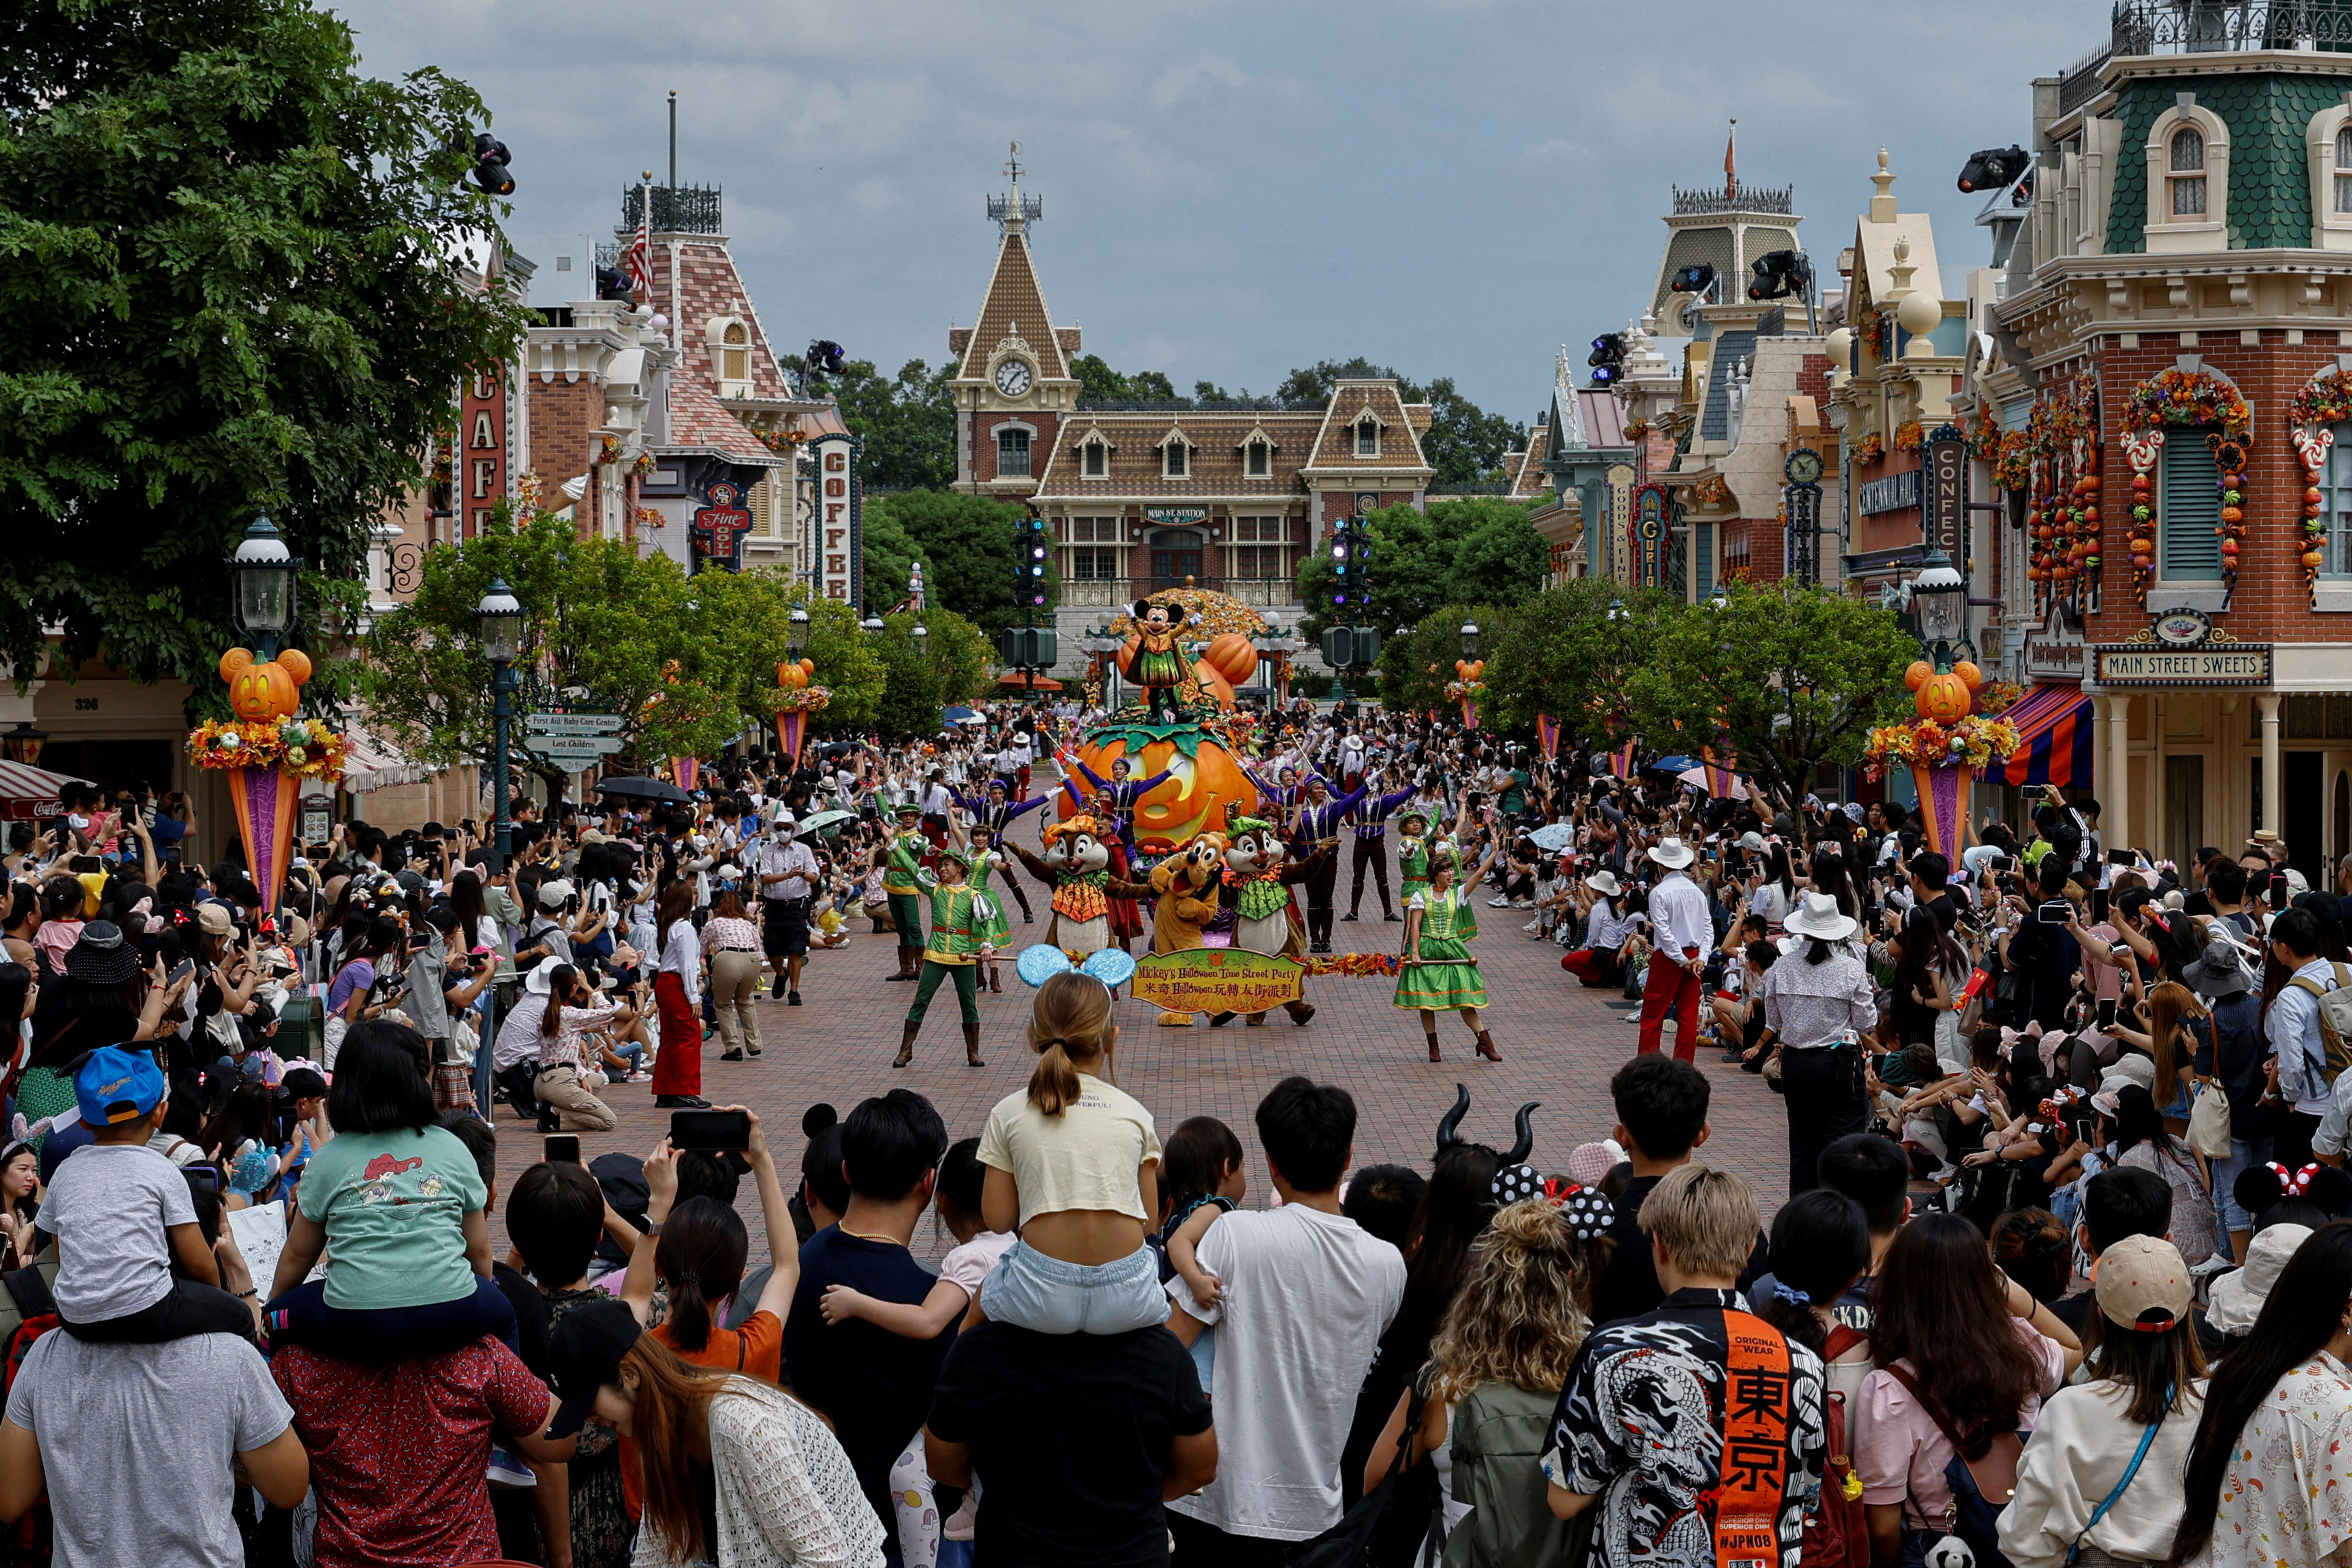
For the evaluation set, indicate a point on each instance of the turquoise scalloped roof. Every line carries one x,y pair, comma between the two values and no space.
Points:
2269,181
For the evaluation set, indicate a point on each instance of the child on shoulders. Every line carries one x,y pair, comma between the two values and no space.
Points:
962,1181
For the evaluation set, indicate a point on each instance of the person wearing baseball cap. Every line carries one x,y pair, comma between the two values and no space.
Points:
758,1441
123,1219
2102,1476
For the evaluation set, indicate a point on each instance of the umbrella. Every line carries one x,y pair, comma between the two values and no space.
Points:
1554,837
1697,778
824,819
638,788
961,715
1674,764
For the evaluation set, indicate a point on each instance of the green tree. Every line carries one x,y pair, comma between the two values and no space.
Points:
1794,678
1501,559
1416,664
911,702
966,545
890,552
223,261
753,610
960,651
908,423
1560,654
1097,382
1464,444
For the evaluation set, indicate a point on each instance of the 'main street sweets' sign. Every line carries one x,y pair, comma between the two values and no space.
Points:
1217,980
2149,664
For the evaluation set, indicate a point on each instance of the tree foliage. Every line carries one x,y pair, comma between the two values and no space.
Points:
687,662
1478,550
922,675
222,262
966,546
1560,654
1417,662
1793,678
1097,382
906,423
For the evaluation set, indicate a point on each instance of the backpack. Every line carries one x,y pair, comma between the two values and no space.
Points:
1498,1436
27,1544
1837,1532
2335,1017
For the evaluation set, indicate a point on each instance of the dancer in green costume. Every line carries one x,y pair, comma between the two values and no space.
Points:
1437,971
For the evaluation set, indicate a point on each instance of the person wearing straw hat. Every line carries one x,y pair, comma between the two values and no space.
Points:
1599,964
1685,934
1818,1002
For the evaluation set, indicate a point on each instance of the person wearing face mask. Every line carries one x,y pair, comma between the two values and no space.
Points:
787,873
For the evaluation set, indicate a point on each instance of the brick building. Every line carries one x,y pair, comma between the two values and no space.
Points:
1139,497
2187,273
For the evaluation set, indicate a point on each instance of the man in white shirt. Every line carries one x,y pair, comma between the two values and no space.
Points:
787,871
2292,1030
1304,1295
1684,932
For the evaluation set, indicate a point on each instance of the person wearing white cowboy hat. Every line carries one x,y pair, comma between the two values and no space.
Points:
1818,1004
1599,962
1685,931
787,875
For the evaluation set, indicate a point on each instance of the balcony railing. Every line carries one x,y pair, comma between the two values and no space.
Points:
1104,593
1702,204
2198,26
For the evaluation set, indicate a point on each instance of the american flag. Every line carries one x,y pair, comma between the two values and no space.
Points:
640,261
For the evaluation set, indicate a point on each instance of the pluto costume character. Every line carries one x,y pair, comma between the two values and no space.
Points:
1186,885
1259,875
1077,868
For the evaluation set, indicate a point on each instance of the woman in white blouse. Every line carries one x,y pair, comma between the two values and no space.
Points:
677,993
736,1472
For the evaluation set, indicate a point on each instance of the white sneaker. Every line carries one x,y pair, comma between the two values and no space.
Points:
639,1078
1497,903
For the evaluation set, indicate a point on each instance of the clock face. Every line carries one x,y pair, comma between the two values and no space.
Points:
1804,465
1013,378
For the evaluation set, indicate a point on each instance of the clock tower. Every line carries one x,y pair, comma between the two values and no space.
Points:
1012,386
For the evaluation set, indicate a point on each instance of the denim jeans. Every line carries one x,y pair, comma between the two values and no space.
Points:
2244,1155
1031,1291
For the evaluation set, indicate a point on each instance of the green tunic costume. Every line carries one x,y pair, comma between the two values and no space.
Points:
958,929
1412,868
1447,977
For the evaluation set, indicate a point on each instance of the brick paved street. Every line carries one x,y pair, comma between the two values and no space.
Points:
1560,1045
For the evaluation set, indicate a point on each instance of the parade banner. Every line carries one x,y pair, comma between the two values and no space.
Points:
1217,980
1943,803
791,728
1547,736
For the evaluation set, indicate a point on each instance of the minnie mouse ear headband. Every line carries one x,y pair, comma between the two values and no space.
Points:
1037,964
1587,1210
2260,1188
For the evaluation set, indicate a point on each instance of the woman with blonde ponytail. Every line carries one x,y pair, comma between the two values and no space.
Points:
1074,1165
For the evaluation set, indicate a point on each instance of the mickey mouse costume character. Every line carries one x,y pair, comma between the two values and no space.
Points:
1151,660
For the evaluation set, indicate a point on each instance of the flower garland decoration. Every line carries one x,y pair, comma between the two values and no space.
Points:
2319,405
643,467
1999,696
1977,741
2325,399
2229,455
782,442
648,519
304,747
806,700
1869,449
1909,436
1637,429
1711,490
2012,464
609,450
2187,398
2062,519
1984,437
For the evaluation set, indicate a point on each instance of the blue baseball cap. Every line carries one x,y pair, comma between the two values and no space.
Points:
115,1085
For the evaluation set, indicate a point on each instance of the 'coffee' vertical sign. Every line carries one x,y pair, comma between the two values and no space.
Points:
840,518
482,477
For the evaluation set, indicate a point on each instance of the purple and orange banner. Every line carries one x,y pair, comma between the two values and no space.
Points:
1547,736
267,801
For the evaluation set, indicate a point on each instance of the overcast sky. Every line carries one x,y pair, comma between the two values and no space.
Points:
1234,189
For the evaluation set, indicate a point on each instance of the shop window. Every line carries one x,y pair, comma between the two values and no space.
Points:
2337,506
2189,510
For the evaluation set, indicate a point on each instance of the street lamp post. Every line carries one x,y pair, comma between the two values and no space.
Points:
264,573
23,744
1470,638
499,618
796,639
1940,598
1618,612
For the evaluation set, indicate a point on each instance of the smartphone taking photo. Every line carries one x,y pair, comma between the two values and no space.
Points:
563,1148
716,1130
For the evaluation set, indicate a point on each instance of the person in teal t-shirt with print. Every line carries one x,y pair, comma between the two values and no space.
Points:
400,1211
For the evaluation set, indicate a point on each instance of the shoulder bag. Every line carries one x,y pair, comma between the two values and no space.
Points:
1390,1524
2075,1549
1981,1487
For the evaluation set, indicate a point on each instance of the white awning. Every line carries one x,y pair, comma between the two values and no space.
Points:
372,762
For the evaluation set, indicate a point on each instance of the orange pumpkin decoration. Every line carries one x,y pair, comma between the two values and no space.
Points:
264,693
1216,684
1206,790
1971,676
792,677
808,667
1231,655
1916,675
2314,559
2234,514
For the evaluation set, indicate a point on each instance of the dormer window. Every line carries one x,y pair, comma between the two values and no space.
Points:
1257,460
730,338
1367,438
2186,176
1176,460
1096,461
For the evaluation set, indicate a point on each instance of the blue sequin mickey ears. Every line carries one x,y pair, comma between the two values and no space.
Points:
1037,964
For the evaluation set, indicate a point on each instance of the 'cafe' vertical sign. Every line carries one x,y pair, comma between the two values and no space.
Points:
481,475
838,568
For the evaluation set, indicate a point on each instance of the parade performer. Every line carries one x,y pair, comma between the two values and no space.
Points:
901,879
1259,875
1076,868
1437,973
1413,856
1370,820
1114,801
962,917
993,813
1317,828
1187,886
995,927
1152,660
1280,796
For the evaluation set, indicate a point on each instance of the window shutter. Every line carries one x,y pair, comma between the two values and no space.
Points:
2190,509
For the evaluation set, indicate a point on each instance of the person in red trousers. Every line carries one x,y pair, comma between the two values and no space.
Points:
678,995
1685,933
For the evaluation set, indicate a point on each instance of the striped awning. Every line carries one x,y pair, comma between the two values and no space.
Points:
371,762
2054,725
30,793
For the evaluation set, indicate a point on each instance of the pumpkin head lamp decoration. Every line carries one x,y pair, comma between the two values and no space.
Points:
266,691
1944,696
